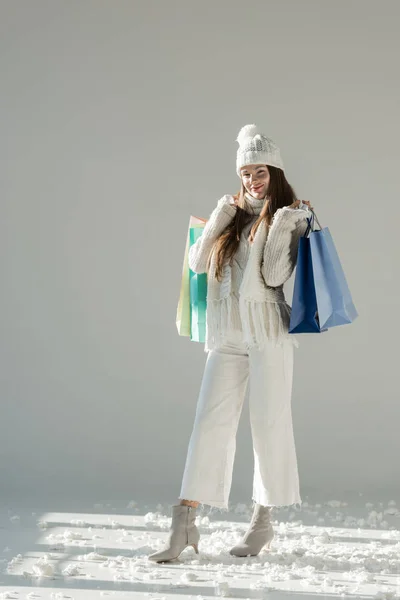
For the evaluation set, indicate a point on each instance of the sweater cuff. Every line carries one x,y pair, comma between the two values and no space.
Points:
289,217
220,218
227,206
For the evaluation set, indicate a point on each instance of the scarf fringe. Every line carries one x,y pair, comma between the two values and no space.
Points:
261,322
223,316
264,322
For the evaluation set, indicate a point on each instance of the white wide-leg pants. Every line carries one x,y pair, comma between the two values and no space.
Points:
228,371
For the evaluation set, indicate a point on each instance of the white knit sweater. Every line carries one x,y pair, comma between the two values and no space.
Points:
250,297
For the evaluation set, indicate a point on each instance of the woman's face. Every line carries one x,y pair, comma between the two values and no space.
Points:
255,179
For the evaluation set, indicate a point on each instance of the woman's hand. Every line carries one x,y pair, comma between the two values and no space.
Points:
297,203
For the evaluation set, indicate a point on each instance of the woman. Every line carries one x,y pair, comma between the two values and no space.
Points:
249,249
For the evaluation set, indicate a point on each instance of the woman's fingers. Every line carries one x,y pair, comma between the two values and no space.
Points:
308,203
297,203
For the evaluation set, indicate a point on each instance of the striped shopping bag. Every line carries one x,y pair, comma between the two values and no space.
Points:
192,304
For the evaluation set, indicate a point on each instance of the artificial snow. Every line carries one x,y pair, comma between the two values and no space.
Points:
43,568
320,548
221,588
71,570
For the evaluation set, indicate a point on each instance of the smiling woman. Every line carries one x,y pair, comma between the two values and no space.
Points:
260,168
256,179
248,249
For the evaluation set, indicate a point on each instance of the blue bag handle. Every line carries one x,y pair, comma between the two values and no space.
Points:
311,223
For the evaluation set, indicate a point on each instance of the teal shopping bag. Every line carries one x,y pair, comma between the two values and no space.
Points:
198,296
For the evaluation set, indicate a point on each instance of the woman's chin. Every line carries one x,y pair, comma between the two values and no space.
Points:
258,195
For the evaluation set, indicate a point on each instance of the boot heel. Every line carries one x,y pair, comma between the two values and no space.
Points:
258,536
183,533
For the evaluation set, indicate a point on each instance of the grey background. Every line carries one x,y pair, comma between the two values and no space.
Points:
118,121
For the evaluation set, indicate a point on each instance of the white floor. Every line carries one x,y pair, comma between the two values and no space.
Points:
327,550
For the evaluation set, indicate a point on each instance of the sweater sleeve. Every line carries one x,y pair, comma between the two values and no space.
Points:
280,251
221,216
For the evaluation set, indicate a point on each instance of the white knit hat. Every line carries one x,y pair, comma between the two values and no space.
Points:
256,148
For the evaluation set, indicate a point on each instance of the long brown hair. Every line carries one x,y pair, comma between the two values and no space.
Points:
280,193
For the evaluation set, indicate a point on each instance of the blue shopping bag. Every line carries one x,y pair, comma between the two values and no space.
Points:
321,295
304,314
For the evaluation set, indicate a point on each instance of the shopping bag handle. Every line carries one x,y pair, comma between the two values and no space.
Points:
311,223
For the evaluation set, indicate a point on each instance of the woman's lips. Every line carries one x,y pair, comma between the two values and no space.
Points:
257,189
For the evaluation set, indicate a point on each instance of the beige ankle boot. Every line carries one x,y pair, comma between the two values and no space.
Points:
259,534
183,533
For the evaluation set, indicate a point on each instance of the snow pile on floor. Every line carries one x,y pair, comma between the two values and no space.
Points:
319,549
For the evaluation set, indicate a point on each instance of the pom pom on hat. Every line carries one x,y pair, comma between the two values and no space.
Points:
247,133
